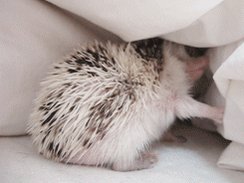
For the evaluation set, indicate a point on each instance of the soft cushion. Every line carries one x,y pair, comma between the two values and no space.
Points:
33,34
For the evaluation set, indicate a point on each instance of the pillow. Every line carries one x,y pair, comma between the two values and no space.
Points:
33,34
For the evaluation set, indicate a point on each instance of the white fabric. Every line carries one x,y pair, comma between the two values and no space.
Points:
229,79
33,34
199,23
136,19
231,157
221,25
228,67
192,162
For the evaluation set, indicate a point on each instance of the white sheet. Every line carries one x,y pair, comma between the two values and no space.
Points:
199,23
139,19
221,25
192,162
230,80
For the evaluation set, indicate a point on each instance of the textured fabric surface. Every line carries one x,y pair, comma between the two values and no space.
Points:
192,162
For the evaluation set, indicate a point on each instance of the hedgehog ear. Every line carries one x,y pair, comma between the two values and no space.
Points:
175,50
168,49
129,48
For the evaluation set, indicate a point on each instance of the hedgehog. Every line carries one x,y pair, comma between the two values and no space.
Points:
107,103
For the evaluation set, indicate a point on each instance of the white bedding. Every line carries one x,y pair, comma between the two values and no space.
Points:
229,79
34,34
199,23
192,162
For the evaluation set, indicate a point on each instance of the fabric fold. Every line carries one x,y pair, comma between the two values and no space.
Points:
232,157
135,19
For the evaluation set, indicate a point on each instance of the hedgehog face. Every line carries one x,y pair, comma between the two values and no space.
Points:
187,53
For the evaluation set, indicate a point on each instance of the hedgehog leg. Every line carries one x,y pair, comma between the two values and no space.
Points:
145,161
188,107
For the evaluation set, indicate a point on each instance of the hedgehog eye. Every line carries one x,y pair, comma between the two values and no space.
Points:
195,52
